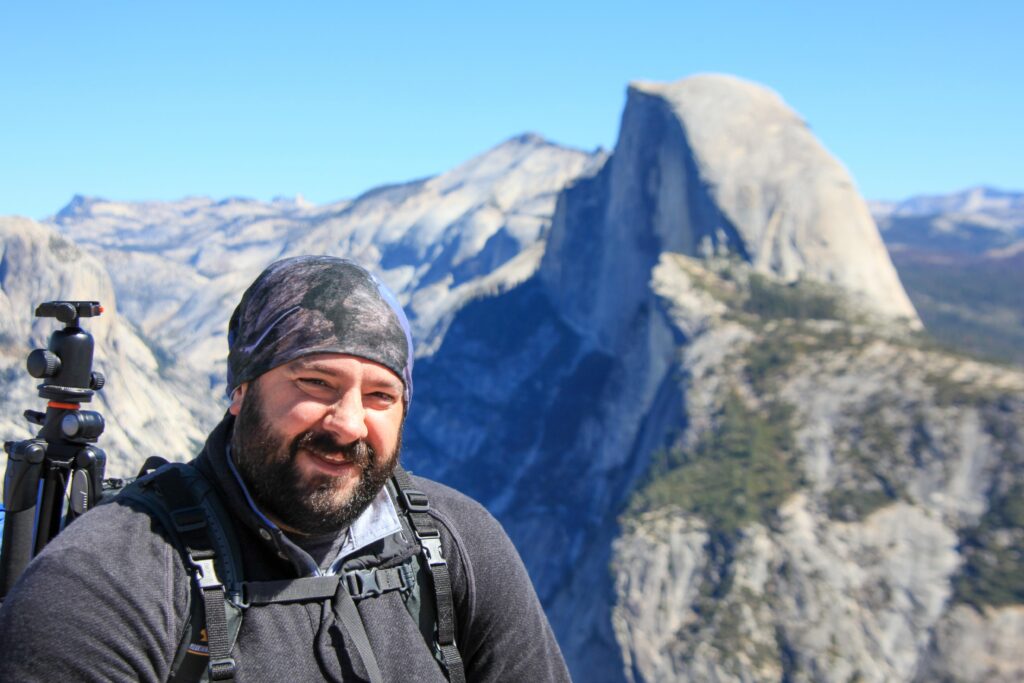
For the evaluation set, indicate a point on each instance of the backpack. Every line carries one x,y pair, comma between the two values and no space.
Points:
184,502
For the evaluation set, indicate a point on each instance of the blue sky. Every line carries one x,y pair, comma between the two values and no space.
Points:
133,100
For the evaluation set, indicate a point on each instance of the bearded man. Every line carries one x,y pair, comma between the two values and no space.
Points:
294,547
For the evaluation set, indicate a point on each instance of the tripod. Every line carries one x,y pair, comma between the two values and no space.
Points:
39,470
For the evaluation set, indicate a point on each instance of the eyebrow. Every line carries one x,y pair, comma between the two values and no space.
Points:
307,364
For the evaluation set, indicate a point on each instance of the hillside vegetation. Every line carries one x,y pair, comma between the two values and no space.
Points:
836,450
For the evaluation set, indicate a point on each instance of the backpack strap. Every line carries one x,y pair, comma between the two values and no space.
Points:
345,610
305,589
416,506
190,523
320,589
181,499
358,583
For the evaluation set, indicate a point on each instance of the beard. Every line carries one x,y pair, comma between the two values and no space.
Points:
310,504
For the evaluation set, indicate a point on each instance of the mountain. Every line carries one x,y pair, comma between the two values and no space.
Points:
983,207
961,258
837,508
973,221
150,402
685,376
744,155
674,285
180,267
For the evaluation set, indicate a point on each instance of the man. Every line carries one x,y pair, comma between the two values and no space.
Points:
320,382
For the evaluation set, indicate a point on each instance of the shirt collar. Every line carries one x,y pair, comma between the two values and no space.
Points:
377,522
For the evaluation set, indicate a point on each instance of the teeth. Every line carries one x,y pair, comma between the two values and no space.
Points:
338,459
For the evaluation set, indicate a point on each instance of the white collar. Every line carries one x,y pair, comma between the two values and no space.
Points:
378,521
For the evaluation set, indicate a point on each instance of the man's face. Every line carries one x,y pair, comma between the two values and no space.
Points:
317,438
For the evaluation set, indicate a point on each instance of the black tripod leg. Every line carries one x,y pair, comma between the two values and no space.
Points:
51,506
21,492
18,531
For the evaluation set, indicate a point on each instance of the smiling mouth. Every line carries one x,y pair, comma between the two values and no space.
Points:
318,453
333,458
334,464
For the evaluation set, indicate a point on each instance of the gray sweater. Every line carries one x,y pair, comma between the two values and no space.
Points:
107,601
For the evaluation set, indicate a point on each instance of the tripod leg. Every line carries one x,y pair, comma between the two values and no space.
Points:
51,505
21,493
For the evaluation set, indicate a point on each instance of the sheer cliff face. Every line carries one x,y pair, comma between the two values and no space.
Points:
151,405
794,207
682,376
714,165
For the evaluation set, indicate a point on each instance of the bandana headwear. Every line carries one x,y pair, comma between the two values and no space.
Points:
317,304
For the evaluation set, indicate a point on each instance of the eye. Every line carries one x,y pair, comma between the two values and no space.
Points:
313,386
381,398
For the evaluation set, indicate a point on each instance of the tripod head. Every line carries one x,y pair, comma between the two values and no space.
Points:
68,311
66,370
39,469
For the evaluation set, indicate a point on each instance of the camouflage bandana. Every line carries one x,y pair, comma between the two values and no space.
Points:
317,304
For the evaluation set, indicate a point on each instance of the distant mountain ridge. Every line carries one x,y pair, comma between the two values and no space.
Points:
469,230
1006,206
684,375
961,258
973,221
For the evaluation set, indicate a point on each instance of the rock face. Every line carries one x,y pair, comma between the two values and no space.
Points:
791,207
151,406
897,458
684,376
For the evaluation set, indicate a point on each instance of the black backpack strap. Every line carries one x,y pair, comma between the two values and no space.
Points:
306,589
318,589
416,505
192,527
182,500
359,584
346,612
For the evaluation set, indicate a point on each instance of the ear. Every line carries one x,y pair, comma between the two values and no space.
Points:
236,398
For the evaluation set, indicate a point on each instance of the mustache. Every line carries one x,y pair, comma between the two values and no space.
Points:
357,452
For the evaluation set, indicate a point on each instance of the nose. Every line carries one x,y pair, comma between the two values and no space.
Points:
346,418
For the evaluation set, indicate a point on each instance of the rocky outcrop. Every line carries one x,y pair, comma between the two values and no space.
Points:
775,193
863,534
151,406
871,564
973,645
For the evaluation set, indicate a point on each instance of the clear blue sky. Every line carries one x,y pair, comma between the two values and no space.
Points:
145,100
